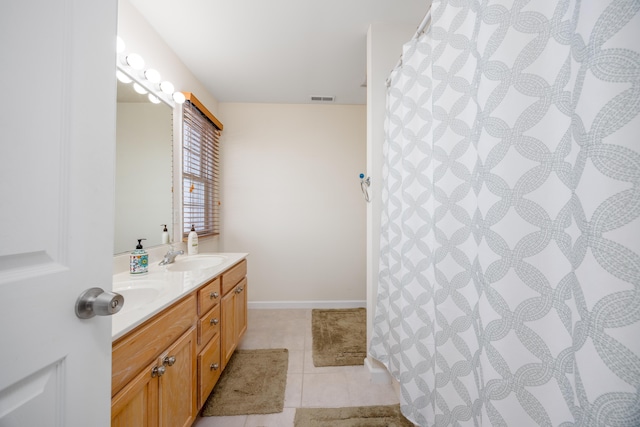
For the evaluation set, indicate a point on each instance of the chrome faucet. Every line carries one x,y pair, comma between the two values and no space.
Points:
170,257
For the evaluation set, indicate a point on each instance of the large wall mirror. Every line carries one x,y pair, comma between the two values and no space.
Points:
144,141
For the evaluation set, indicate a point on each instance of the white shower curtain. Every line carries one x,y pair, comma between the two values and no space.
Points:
509,284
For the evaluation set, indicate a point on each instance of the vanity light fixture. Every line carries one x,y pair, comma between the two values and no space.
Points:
167,87
130,68
135,61
179,98
152,75
120,46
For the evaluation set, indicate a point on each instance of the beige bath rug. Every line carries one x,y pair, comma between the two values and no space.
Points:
369,416
253,382
339,336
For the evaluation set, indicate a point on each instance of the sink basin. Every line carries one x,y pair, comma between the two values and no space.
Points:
137,293
195,262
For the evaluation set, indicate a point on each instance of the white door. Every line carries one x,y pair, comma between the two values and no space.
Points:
57,144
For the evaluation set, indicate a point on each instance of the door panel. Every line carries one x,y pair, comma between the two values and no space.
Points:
56,223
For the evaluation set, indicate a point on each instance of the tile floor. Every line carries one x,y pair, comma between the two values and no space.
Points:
307,386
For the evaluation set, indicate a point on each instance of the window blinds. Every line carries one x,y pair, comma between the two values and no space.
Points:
200,172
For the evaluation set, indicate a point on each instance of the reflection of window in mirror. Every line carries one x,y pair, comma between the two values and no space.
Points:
200,169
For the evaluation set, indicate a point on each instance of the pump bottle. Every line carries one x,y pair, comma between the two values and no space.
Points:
139,259
192,242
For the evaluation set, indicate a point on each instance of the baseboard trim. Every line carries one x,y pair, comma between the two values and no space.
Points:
263,305
378,374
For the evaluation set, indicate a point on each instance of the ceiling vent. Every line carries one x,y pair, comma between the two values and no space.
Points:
323,98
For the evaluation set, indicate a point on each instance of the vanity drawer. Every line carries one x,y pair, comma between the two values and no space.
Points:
209,325
231,277
208,296
209,369
133,352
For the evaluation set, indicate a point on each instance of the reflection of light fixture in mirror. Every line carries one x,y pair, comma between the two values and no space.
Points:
179,98
123,77
167,87
152,75
135,61
139,89
153,98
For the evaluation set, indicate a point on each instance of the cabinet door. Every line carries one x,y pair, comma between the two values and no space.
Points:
137,403
177,387
228,340
209,369
241,310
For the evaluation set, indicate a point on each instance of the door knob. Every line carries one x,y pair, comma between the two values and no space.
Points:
95,301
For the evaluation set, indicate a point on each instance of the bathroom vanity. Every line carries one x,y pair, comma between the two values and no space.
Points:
170,346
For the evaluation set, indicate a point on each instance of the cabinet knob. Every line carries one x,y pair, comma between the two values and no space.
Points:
169,360
214,321
240,289
158,371
213,367
214,295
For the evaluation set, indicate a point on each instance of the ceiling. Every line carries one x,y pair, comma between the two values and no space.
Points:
277,51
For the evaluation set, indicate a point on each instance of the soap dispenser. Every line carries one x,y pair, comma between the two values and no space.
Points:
139,260
165,234
192,242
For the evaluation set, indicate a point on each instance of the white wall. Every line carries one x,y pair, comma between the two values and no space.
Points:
384,49
291,198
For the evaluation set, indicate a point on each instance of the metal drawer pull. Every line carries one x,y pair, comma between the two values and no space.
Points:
169,360
214,295
213,367
158,371
214,321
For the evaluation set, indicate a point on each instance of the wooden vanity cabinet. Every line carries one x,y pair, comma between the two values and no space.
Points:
177,387
209,367
154,370
163,393
137,403
164,370
233,310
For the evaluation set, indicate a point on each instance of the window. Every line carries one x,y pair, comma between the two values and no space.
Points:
200,169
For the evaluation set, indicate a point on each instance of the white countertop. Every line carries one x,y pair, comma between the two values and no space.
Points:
171,286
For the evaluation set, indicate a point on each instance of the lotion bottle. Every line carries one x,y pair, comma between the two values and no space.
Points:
165,234
139,260
192,242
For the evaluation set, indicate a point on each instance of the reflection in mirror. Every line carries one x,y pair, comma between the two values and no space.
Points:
144,140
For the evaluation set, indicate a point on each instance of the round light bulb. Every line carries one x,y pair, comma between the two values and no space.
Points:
167,87
120,46
139,89
154,99
135,61
123,77
179,98
152,75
